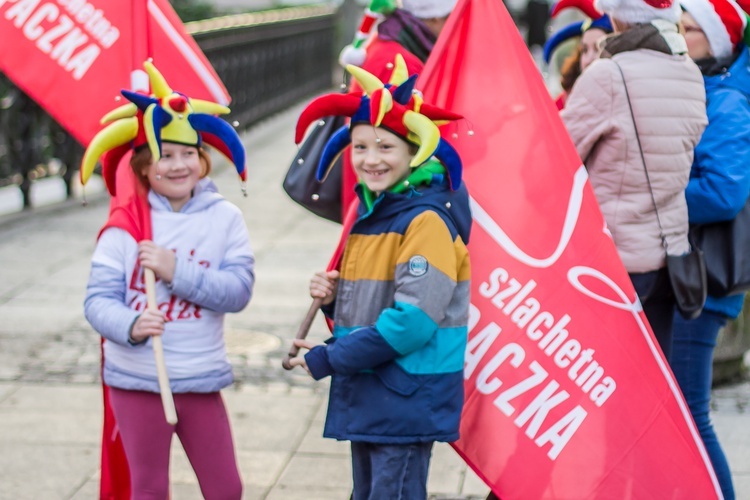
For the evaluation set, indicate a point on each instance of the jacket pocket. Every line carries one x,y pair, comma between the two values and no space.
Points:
397,380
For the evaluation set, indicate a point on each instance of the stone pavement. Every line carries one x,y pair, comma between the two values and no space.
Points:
50,398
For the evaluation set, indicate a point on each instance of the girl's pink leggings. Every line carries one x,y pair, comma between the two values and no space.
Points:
205,434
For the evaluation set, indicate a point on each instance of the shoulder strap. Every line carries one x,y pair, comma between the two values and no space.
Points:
643,159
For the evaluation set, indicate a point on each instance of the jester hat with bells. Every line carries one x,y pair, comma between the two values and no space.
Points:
596,20
164,116
394,106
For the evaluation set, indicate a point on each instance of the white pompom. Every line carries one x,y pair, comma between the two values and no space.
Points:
351,55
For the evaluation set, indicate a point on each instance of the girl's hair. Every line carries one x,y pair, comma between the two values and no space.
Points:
570,69
141,160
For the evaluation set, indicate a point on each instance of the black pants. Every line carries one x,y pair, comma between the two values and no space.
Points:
657,298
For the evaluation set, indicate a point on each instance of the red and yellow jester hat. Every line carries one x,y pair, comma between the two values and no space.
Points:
165,115
394,106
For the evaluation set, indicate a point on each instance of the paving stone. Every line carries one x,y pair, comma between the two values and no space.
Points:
316,472
44,470
6,389
293,492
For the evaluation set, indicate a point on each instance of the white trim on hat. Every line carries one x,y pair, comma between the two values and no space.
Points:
714,27
705,15
429,9
637,11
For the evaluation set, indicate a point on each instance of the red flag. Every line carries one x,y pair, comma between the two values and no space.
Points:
128,210
567,392
114,483
74,57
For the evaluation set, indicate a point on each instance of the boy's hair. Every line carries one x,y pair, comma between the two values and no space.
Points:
413,148
142,158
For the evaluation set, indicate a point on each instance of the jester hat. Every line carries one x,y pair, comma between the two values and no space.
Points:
596,20
394,106
164,116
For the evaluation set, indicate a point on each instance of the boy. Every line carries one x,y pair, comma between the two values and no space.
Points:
401,299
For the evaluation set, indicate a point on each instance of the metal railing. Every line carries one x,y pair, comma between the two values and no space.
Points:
267,61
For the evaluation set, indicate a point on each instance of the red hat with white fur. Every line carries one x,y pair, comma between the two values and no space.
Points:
428,9
640,11
723,22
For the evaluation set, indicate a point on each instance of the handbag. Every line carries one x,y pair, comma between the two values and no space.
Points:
321,198
687,273
726,247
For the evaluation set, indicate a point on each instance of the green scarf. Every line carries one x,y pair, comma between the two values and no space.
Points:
421,175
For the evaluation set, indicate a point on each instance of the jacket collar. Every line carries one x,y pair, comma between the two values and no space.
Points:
658,35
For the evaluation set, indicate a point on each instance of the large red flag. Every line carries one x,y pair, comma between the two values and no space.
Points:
568,395
128,210
73,57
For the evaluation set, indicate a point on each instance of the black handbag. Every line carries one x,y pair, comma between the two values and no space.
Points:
321,198
726,247
687,273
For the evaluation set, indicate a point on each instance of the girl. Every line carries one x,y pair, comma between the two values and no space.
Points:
201,256
590,32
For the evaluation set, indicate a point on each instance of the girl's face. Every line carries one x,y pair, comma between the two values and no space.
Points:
380,158
176,174
590,46
697,43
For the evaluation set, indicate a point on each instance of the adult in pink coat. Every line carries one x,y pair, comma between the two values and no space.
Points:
665,101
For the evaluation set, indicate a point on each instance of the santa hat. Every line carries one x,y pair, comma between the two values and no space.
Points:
640,11
722,21
354,53
429,9
394,106
164,116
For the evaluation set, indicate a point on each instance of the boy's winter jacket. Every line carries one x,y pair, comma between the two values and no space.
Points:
401,312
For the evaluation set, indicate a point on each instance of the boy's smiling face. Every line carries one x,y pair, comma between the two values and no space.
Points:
380,158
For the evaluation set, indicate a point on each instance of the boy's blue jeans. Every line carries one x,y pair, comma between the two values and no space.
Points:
392,472
692,362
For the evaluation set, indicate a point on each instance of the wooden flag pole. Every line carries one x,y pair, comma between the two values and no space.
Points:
304,328
161,368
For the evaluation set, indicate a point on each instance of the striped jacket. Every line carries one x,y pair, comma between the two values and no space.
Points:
397,352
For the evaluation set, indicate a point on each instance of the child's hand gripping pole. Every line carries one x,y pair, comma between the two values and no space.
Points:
161,369
304,329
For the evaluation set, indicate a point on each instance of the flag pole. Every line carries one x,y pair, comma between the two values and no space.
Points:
167,400
302,332
142,50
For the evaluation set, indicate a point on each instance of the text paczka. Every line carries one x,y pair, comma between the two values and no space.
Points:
52,26
551,337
